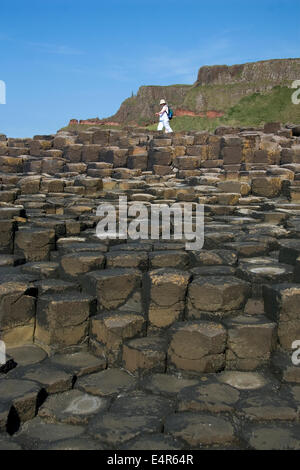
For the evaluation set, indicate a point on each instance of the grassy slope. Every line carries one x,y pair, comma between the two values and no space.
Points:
252,110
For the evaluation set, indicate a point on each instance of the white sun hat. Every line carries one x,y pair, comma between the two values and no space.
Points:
162,102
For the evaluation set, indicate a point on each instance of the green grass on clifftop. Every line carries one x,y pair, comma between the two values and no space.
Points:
257,109
253,110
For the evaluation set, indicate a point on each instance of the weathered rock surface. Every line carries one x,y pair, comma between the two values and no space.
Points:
142,343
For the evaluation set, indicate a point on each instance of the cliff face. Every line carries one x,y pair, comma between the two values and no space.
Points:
274,71
145,104
217,89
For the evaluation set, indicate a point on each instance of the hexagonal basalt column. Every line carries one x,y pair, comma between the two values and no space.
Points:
197,347
76,264
282,305
62,320
259,274
267,186
251,339
167,296
216,296
17,313
7,230
112,329
145,354
35,243
116,289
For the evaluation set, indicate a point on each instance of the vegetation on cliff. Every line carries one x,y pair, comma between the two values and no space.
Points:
246,95
253,110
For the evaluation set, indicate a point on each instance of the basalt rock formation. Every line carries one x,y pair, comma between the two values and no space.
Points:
216,89
131,344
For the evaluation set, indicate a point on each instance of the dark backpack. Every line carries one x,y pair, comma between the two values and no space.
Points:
170,113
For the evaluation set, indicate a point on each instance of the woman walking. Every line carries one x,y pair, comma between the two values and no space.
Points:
164,121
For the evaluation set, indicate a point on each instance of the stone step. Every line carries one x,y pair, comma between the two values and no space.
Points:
62,320
156,340
282,306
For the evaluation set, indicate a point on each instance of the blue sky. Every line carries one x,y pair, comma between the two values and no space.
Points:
63,59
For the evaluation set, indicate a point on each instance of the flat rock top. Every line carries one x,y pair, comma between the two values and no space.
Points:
11,389
243,380
37,430
72,407
27,355
79,362
200,318
106,383
200,429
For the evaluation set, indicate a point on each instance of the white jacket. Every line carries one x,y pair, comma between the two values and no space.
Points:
164,113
